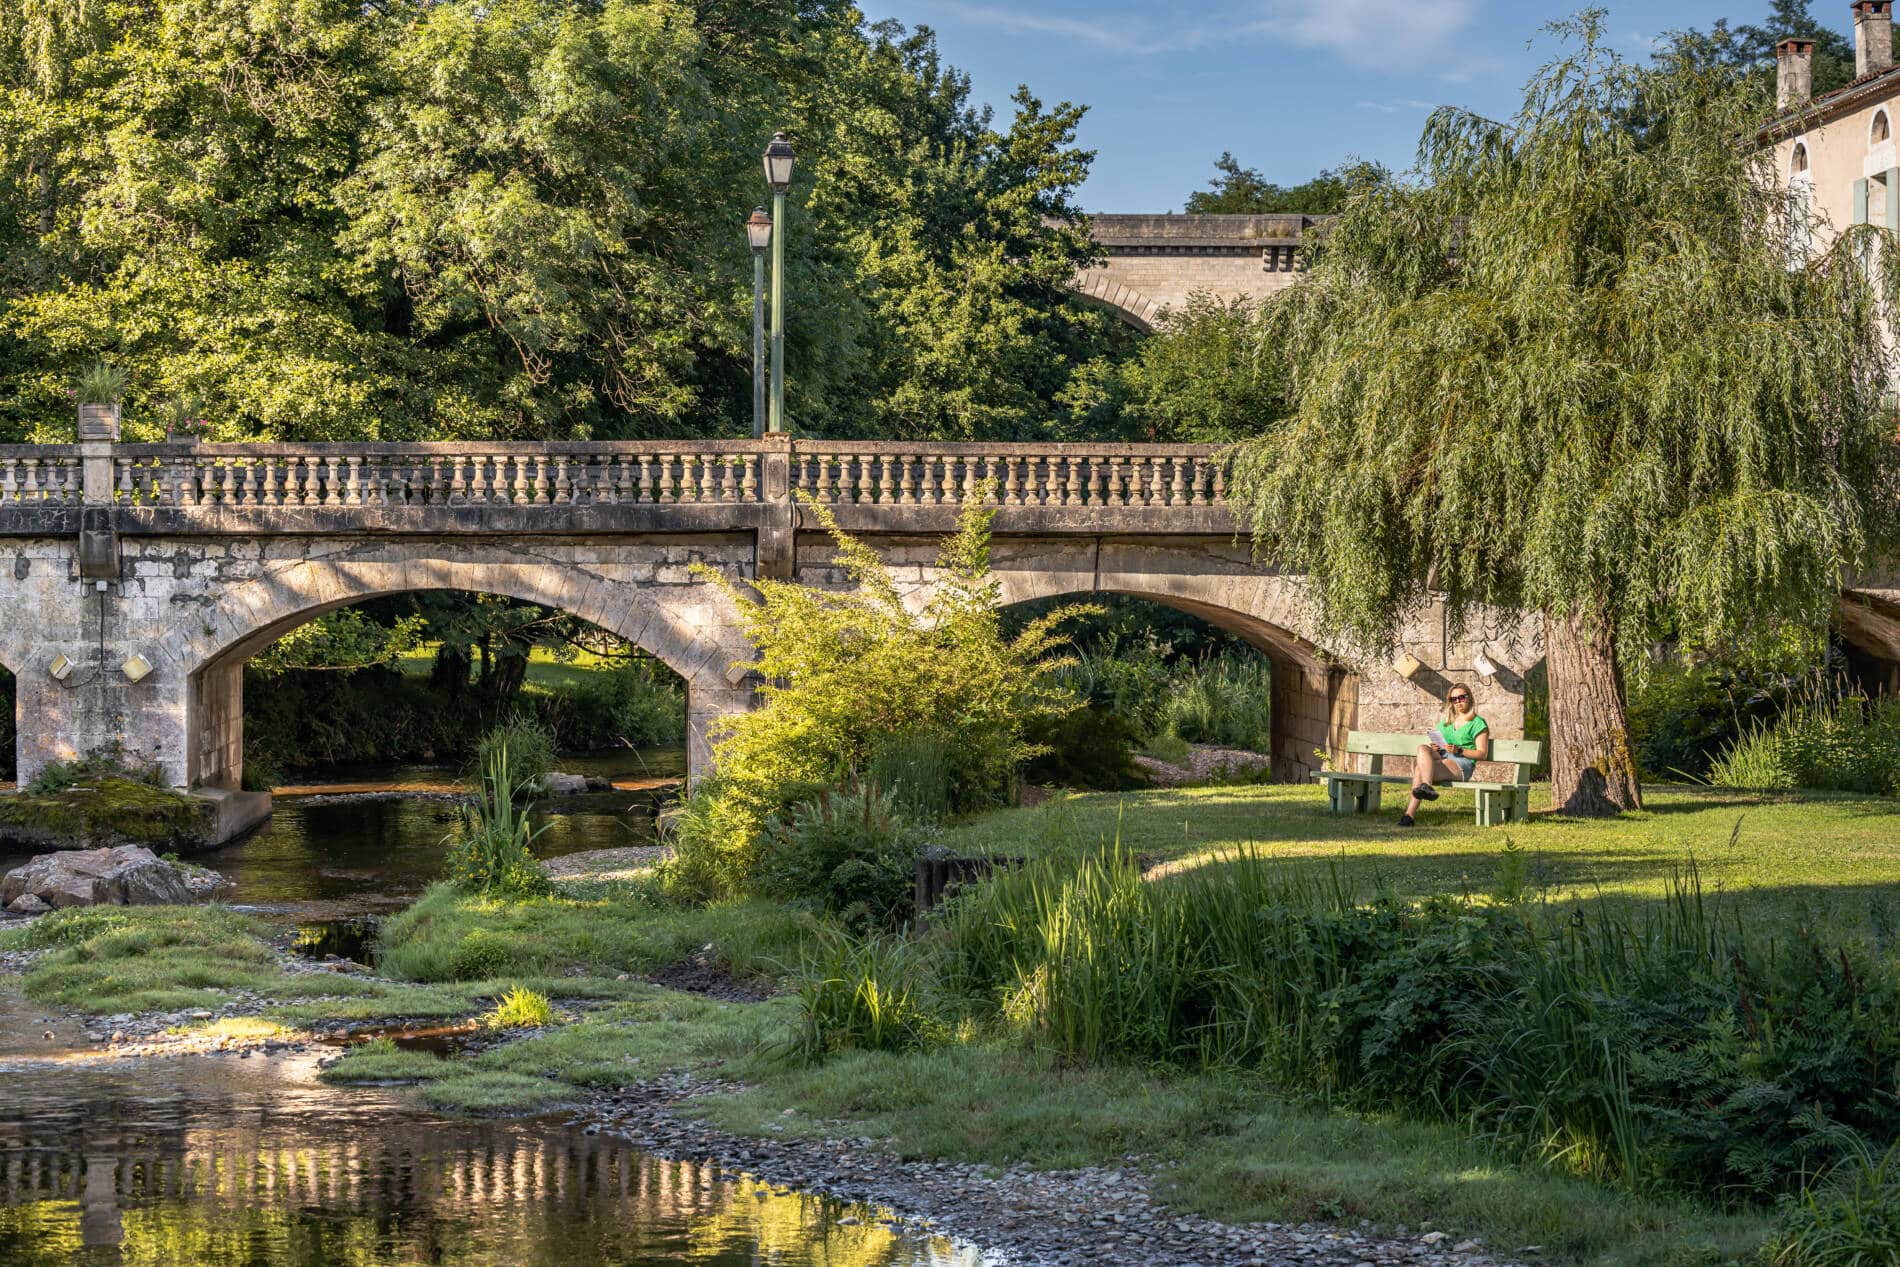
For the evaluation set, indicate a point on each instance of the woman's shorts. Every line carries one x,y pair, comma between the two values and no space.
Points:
1463,765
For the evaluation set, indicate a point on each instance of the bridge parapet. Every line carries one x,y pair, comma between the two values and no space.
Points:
735,485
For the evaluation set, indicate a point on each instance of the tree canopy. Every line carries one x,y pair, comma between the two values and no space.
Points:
1573,371
1237,190
522,218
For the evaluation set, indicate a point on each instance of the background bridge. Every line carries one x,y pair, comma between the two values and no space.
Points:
197,557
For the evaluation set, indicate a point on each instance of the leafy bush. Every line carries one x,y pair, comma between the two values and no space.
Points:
858,994
847,671
525,748
520,1008
846,852
1849,745
1664,1051
1124,704
1681,718
491,849
636,704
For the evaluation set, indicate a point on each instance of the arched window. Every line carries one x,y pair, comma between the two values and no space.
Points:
1799,163
1881,131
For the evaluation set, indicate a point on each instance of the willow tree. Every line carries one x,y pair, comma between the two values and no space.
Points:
1572,370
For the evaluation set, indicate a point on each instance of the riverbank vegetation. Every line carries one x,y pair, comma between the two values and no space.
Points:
420,677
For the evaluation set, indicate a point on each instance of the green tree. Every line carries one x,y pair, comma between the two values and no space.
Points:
1198,379
411,220
1574,373
1243,190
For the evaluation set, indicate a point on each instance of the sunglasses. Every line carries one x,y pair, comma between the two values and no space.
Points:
1457,699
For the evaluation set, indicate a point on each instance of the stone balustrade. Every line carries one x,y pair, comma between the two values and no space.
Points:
629,473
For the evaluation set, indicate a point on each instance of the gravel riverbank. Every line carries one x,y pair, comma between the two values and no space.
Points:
1108,1217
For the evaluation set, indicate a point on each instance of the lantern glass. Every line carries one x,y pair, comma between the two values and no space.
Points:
758,231
779,160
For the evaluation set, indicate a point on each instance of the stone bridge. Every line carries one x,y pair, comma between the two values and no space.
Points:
1154,262
193,558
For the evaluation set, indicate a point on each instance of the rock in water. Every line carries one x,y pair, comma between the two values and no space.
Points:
563,784
127,875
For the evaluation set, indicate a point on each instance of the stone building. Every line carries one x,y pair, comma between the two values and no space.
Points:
1836,151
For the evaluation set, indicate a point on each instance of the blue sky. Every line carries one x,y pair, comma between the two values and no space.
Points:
1290,86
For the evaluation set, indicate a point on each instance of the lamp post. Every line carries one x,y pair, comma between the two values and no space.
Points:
758,233
778,174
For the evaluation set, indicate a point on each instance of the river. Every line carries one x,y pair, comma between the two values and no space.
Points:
252,1163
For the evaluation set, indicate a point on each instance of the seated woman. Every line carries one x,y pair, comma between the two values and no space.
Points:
1461,741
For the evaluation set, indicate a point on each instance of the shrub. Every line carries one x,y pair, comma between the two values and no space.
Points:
845,852
1124,705
1847,745
520,1008
527,749
491,849
636,704
860,995
846,671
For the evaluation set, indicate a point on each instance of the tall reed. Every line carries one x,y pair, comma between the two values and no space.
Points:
1664,1046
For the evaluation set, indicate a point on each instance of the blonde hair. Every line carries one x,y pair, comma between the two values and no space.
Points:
1471,698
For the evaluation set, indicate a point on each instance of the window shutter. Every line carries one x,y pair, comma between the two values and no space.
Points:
1892,180
1860,201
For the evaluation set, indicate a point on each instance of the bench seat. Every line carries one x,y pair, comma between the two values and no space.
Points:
1359,791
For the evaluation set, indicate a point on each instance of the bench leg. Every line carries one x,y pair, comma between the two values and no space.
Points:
1489,808
1520,805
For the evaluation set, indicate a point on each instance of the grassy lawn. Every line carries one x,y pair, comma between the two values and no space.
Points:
545,669
1821,859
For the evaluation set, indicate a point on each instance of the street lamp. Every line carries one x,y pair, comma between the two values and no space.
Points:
779,159
758,235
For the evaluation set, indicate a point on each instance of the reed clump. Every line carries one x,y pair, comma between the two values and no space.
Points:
1649,1048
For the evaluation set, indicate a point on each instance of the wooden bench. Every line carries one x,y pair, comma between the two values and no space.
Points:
1354,792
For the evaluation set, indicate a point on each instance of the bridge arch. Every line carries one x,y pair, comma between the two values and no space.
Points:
1315,693
686,625
1098,287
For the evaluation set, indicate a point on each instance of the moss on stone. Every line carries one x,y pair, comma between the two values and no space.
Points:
106,811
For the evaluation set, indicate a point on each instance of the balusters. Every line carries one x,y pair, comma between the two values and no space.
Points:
1180,481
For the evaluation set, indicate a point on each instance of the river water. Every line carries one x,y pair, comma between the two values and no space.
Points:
233,1162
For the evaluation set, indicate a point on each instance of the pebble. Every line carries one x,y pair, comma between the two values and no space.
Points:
1102,1215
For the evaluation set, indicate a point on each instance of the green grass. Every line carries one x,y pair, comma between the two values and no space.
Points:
157,958
1224,1147
545,670
520,1008
381,1061
1821,860
451,935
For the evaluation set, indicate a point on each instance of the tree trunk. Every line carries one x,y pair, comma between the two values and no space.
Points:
1592,767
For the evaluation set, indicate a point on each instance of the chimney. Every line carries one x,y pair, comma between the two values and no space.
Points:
1873,37
1794,74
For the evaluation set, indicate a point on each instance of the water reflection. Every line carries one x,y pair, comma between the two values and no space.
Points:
329,857
220,1162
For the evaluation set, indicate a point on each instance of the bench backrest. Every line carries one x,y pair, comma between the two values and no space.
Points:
1522,754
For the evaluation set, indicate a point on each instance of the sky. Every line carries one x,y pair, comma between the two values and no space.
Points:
1289,86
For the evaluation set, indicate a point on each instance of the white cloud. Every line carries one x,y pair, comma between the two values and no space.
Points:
1371,33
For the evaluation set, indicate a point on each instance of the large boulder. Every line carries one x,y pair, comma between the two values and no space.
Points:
127,875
